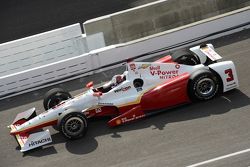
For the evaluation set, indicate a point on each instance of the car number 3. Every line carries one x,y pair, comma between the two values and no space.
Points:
230,76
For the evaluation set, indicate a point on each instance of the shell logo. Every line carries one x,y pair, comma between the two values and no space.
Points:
118,121
177,66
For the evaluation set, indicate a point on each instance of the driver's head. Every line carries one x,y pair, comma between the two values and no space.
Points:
117,79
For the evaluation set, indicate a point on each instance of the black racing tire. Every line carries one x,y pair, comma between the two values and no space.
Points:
203,85
73,125
185,57
54,97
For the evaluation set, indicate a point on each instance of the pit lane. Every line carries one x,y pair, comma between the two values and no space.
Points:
180,137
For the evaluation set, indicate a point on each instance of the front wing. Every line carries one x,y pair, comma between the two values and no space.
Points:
30,141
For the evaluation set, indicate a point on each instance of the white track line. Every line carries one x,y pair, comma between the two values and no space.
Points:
219,158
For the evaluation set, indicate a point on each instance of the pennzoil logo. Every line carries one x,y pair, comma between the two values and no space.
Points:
144,66
123,89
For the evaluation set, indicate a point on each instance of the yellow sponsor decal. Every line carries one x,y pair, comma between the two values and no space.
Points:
144,66
138,99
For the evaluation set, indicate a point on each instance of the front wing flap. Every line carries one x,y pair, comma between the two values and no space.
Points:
26,115
33,140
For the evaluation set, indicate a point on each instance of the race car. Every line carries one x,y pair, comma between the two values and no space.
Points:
143,89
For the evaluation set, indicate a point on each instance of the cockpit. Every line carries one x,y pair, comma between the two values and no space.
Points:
115,81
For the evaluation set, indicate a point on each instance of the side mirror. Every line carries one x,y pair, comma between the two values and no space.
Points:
97,94
90,84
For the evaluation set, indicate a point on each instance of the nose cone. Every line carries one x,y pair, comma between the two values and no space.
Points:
13,130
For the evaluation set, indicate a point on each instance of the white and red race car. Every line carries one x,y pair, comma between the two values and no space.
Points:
143,89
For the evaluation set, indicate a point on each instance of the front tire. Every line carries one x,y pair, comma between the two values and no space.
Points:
73,125
203,85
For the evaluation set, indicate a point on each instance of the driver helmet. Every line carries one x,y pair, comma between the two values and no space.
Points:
117,79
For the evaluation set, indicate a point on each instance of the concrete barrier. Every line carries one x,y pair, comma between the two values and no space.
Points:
156,17
46,48
190,34
44,75
41,49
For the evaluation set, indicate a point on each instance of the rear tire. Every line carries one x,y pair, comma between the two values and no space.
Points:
203,85
73,125
185,57
54,97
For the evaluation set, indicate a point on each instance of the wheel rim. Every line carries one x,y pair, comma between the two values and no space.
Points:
205,87
74,126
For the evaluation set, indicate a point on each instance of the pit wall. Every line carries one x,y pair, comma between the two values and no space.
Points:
157,17
46,48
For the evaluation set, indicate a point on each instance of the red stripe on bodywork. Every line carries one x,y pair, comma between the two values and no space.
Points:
124,109
131,115
166,95
166,59
169,94
20,122
102,111
22,138
34,128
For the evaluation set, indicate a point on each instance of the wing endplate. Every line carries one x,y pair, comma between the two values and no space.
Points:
33,140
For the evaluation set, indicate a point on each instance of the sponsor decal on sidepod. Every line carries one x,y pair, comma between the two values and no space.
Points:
156,70
122,89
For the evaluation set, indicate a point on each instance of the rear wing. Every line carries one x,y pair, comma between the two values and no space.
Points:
206,51
210,53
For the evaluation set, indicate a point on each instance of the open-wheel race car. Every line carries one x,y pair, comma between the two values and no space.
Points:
142,90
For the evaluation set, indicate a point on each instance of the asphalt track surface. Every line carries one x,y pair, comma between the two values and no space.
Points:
182,136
